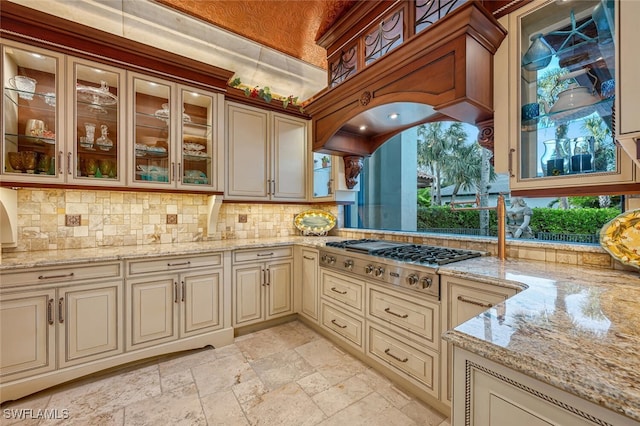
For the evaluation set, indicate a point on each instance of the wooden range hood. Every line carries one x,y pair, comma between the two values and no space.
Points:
444,72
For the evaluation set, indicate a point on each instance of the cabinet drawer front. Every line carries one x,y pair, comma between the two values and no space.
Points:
262,254
419,317
343,324
419,364
62,274
344,289
136,267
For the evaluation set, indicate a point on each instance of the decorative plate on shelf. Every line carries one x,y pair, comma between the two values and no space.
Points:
621,238
315,222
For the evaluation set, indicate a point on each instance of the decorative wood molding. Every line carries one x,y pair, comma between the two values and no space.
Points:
352,168
486,136
448,66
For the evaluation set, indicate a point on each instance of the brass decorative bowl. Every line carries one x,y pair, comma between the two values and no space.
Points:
29,160
44,163
15,161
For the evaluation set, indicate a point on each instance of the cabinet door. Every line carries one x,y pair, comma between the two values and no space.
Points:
90,319
27,334
201,298
152,311
279,286
289,166
309,284
200,146
96,137
249,281
248,152
152,133
32,115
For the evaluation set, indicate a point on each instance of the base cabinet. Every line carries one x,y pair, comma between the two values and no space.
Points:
489,394
308,261
262,290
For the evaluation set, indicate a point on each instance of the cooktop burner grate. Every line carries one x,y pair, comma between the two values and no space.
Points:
426,254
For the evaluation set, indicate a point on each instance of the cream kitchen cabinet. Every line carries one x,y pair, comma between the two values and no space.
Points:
308,260
63,118
262,289
463,299
554,97
176,136
173,298
266,155
489,394
56,318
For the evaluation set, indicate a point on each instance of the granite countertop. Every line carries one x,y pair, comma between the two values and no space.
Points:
575,328
23,260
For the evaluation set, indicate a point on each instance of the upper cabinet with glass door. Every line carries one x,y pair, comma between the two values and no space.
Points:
98,143
563,59
33,101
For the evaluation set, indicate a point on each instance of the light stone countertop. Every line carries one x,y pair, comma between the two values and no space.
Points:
575,328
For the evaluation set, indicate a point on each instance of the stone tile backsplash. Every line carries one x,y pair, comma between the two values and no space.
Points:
47,219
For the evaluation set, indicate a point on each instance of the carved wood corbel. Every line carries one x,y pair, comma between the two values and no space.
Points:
352,168
486,136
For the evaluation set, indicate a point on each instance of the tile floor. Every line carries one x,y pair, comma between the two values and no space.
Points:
284,375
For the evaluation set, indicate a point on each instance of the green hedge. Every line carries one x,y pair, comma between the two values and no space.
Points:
572,221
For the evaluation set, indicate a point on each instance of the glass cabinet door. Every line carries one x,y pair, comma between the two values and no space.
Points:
322,175
152,120
97,139
198,148
567,87
31,123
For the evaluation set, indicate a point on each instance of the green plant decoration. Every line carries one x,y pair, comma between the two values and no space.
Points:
265,94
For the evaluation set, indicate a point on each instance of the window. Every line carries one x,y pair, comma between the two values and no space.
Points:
410,182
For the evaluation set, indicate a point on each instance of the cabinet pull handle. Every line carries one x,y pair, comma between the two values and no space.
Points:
179,264
179,171
49,277
475,302
184,290
511,151
273,184
173,171
389,311
338,325
335,290
69,163
388,352
61,310
60,162
175,292
268,186
308,258
50,311
264,254
264,278
330,186
268,276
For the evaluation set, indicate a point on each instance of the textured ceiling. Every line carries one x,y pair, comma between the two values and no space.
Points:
291,27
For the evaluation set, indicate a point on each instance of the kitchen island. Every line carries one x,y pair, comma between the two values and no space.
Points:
573,328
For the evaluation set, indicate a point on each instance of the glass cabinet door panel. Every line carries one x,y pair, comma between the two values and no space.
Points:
198,143
152,120
97,126
567,81
322,175
30,119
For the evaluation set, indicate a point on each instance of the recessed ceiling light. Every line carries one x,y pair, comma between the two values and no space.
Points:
363,127
393,116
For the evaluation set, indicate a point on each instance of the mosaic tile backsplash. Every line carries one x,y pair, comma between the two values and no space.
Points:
56,219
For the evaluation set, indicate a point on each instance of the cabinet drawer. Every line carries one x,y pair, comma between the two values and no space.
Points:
343,289
64,274
342,324
262,254
420,364
418,316
136,267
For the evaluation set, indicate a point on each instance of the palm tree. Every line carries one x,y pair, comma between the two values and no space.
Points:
437,149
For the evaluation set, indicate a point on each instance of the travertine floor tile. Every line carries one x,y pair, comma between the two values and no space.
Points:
287,405
422,414
15,415
222,374
314,383
223,409
358,412
178,407
281,368
341,395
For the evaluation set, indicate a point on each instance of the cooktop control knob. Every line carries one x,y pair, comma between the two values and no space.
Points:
348,264
332,260
368,269
378,271
324,258
426,282
412,279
